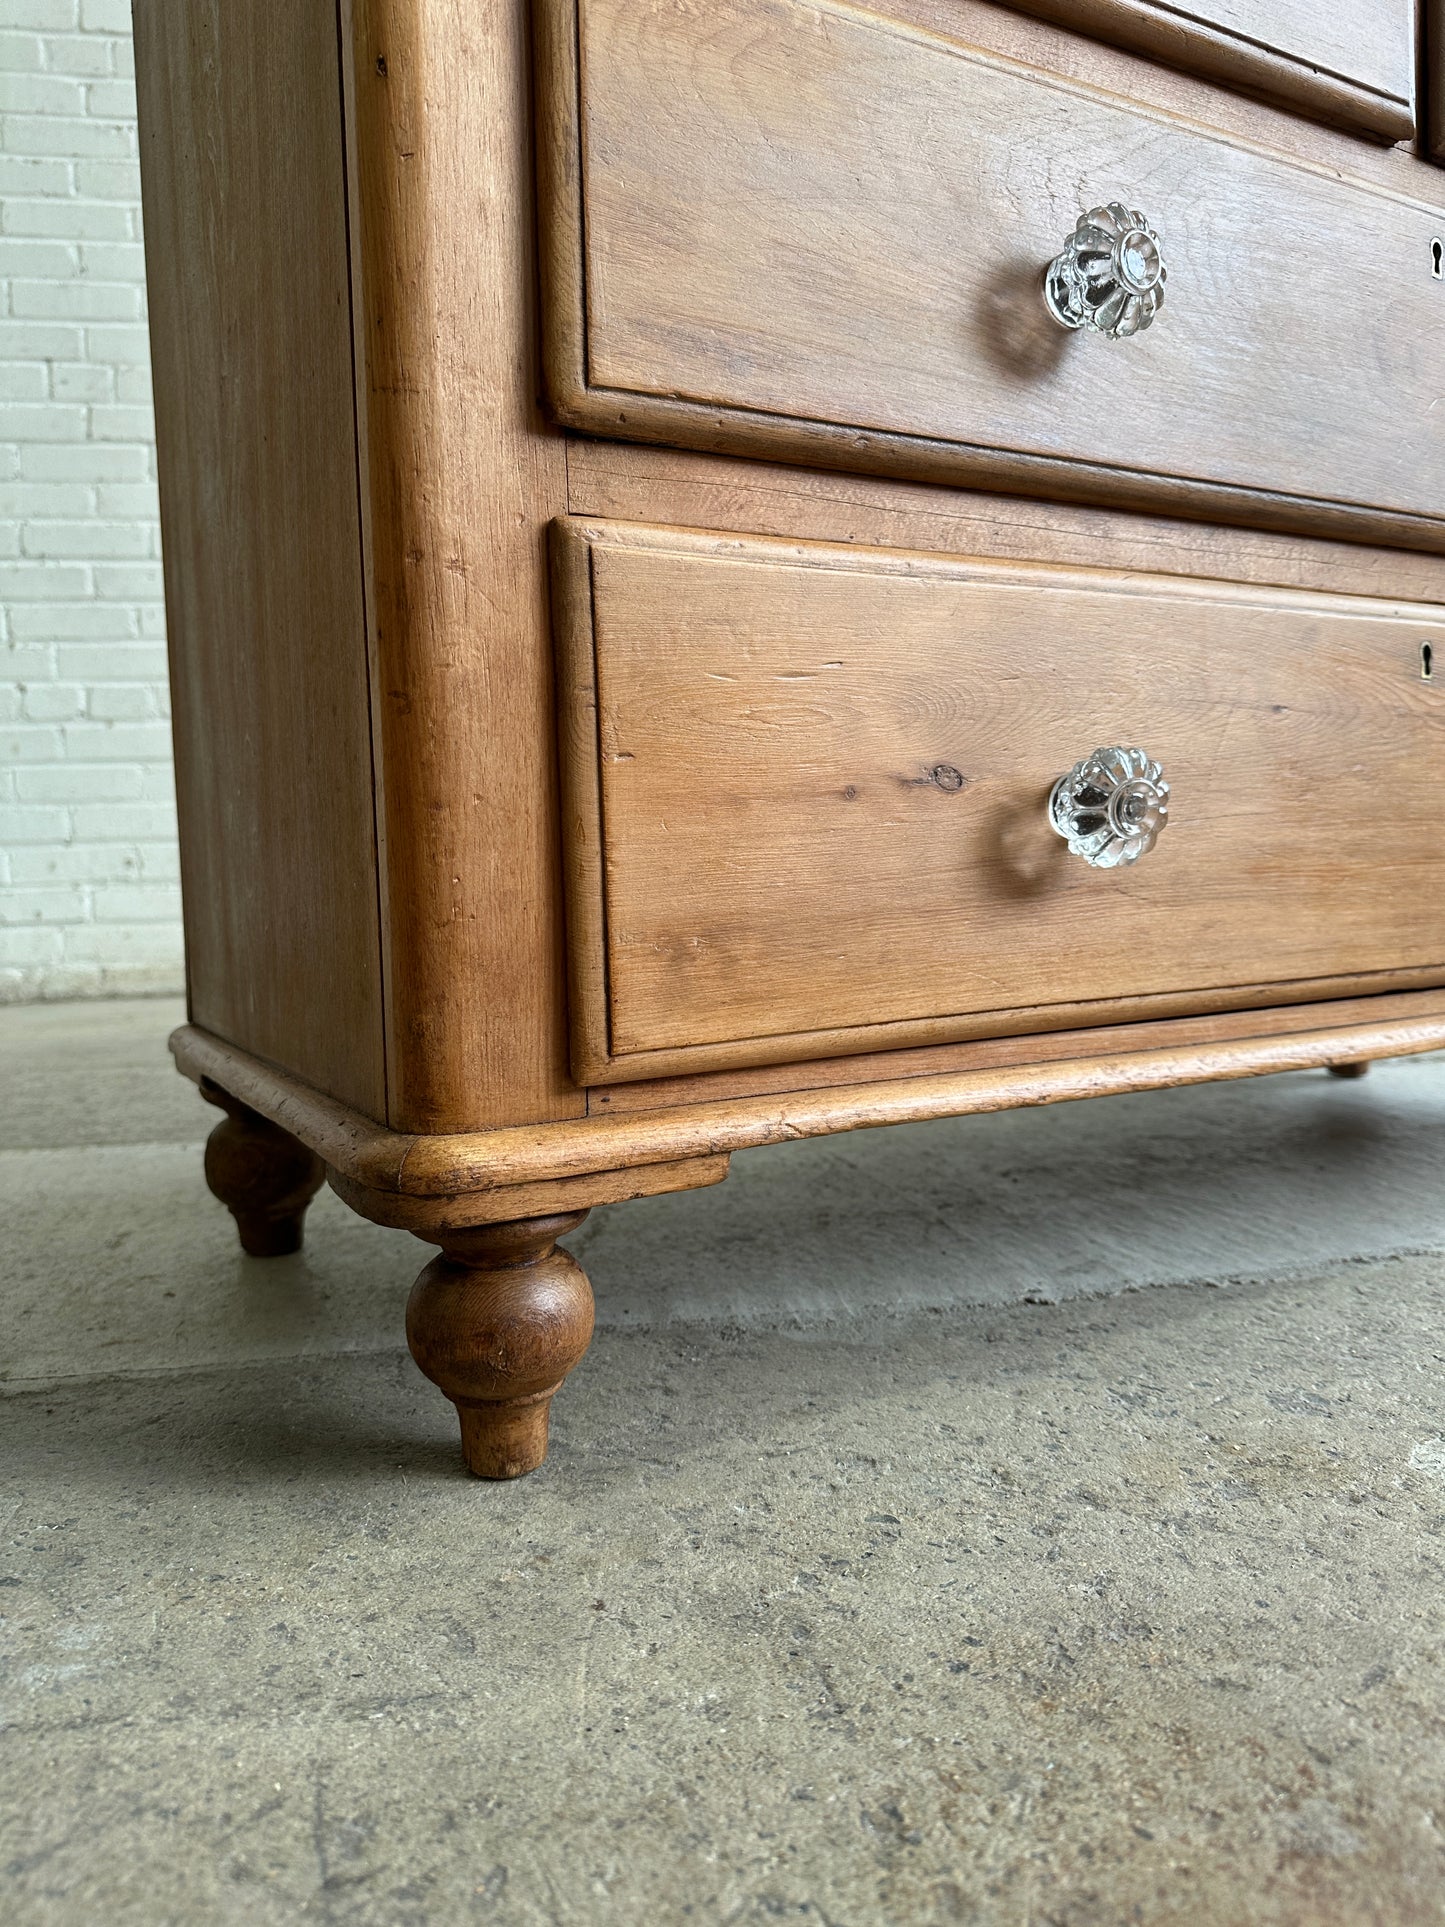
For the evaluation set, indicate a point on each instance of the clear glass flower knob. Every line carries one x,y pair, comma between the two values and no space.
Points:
1111,807
1110,275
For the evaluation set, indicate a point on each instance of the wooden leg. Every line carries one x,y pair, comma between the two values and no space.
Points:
263,1175
1348,1070
498,1321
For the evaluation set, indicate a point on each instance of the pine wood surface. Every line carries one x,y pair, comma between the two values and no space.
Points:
265,1177
997,26
460,478
1432,73
775,264
806,790
1256,1013
1370,41
494,1162
1350,62
813,237
244,178
498,1320
626,482
578,1192
244,161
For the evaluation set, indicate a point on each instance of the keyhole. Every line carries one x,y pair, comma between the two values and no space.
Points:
1427,661
1437,260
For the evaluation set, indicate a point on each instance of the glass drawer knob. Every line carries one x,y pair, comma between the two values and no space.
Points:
1110,275
1111,807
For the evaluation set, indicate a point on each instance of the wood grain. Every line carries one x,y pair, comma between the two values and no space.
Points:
498,1321
629,483
583,842
1350,63
493,1161
539,1199
263,1176
823,775
997,26
1368,41
897,326
243,169
1433,79
1253,1014
461,476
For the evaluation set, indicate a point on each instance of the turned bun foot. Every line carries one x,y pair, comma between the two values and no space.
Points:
1347,1070
498,1321
263,1176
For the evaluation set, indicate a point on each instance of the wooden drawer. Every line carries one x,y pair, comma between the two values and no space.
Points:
1350,62
807,231
806,791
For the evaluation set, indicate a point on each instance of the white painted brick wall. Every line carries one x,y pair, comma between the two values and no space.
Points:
89,898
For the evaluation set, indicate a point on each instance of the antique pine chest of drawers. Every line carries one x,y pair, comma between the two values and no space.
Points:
748,568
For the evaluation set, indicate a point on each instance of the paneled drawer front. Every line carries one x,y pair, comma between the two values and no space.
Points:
807,792
1350,62
804,230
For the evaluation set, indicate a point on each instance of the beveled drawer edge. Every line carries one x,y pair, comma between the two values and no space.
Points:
602,1069
886,559
575,403
1268,1018
672,423
1213,53
617,481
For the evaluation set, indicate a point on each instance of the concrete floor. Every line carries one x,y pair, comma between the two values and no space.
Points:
1031,1520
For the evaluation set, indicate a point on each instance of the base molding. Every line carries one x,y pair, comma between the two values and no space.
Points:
502,1314
428,1216
425,1183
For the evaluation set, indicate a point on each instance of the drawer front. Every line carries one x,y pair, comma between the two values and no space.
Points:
1350,62
807,796
1371,42
804,230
